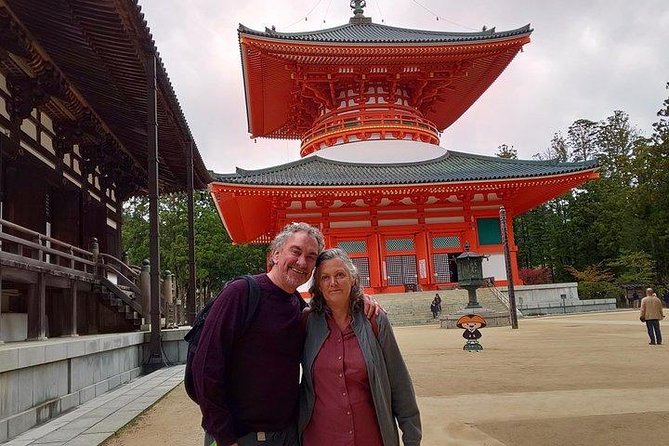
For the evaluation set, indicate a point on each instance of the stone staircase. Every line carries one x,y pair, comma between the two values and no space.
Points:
414,308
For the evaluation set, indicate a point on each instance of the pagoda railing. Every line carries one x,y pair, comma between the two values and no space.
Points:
352,123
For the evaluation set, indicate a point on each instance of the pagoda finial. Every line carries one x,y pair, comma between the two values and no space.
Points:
358,7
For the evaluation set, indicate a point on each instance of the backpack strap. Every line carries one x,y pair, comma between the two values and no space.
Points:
254,300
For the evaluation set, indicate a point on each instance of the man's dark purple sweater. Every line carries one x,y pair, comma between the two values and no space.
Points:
246,378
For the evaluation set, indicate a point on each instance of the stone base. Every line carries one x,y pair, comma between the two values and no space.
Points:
493,318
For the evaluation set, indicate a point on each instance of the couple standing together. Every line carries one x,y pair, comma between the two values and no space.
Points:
355,388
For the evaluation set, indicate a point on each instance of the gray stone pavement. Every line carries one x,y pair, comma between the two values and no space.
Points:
98,419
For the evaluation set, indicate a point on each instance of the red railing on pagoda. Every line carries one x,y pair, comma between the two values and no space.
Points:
352,123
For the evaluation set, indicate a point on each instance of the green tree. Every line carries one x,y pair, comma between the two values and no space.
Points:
507,152
217,259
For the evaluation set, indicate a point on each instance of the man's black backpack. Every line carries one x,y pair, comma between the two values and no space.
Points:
193,335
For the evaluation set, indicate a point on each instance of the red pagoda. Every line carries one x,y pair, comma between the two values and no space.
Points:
368,103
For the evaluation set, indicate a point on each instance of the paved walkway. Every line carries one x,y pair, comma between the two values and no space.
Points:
93,422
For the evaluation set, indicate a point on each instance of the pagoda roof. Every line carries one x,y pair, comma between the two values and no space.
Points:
315,171
290,77
374,33
97,51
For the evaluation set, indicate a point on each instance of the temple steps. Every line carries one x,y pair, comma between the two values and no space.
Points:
414,308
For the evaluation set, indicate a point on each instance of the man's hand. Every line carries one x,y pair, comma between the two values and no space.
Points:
372,307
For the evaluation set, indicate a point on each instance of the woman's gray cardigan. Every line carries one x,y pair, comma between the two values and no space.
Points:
389,380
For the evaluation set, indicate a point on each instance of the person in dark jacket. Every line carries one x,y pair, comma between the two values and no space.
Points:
434,308
355,387
246,377
241,403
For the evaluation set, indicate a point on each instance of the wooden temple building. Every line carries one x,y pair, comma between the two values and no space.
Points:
369,103
88,118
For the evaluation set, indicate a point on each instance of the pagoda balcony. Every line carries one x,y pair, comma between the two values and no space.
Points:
351,124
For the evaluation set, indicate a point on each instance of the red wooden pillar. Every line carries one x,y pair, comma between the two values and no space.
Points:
422,258
374,255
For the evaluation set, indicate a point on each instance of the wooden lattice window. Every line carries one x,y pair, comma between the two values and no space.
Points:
400,244
401,270
442,269
353,246
447,241
362,264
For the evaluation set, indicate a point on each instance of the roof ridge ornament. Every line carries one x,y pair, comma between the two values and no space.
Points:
358,12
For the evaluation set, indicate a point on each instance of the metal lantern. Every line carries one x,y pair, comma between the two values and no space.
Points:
470,274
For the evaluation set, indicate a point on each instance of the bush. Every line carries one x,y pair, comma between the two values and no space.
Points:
535,276
599,290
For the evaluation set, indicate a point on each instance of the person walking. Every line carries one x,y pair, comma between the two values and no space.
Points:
434,308
651,313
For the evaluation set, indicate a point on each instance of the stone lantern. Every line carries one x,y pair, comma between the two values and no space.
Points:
470,278
470,274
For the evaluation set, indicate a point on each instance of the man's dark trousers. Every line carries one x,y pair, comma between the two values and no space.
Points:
653,327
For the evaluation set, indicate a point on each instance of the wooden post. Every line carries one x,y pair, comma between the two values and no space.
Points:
155,358
2,197
190,299
37,309
509,274
72,326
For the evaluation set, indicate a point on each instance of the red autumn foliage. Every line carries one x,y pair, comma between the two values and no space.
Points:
536,276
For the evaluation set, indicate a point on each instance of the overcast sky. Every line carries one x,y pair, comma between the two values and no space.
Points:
586,59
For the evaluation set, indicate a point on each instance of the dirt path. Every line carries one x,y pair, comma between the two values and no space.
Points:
577,380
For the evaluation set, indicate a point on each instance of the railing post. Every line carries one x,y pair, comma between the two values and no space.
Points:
40,253
168,298
145,288
94,247
166,287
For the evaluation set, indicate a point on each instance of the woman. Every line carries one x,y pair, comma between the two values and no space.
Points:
355,384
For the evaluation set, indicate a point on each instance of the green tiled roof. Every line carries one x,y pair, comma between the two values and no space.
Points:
375,33
451,167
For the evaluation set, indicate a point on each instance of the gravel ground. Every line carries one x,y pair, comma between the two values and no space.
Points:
589,379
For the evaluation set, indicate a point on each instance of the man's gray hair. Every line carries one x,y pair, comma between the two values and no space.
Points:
290,229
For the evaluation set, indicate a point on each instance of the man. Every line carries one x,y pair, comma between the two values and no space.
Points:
246,380
651,314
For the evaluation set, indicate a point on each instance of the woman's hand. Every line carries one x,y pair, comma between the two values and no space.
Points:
372,307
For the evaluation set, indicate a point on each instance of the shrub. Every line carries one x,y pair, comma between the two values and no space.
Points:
599,290
535,276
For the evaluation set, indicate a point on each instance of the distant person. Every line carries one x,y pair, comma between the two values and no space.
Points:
433,309
356,389
435,306
666,298
634,299
652,314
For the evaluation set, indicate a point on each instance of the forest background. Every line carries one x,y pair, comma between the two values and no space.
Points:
605,234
